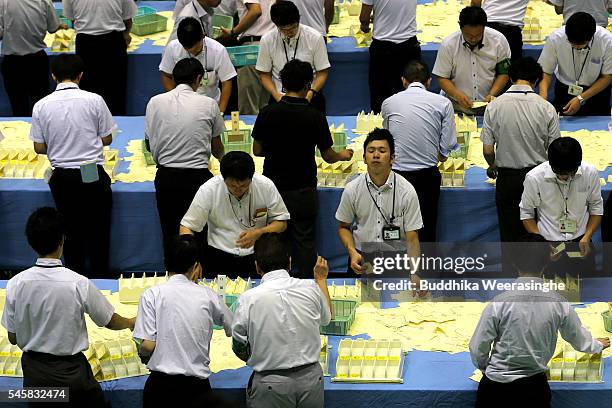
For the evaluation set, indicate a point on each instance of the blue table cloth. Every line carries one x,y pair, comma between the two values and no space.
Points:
465,214
346,90
423,386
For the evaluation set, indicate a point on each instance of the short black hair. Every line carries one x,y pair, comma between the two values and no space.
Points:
531,254
187,70
67,67
284,13
296,75
472,16
526,69
272,252
580,28
565,155
189,32
416,71
238,166
183,252
380,134
45,230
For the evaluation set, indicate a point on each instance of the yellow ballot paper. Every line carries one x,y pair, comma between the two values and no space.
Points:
574,254
559,249
479,104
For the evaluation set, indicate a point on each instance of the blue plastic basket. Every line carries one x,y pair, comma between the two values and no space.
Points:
144,10
63,19
243,55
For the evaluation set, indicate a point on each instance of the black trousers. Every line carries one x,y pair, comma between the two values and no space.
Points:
318,102
105,58
426,182
599,105
514,35
508,192
174,192
74,372
26,80
218,262
531,392
574,267
86,208
387,61
165,390
606,237
303,205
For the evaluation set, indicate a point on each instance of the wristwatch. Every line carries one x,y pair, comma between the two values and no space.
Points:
314,92
581,99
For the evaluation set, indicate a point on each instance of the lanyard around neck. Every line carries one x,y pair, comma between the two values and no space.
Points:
576,75
390,221
297,43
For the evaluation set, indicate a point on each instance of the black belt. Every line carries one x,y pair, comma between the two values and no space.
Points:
62,169
509,170
249,38
287,370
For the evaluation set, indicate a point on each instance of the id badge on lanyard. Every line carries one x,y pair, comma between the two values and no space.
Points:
575,90
567,225
391,233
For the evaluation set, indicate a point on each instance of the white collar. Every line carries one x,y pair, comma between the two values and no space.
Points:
272,275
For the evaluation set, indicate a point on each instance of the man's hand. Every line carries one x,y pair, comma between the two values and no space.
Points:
416,282
127,37
62,26
585,247
131,323
572,107
464,100
605,341
321,270
346,154
492,172
489,98
356,262
309,96
225,34
197,273
247,238
365,28
278,96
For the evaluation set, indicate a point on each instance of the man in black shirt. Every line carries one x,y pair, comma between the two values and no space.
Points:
286,134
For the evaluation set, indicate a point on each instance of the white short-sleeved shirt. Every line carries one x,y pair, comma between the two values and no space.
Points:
195,10
280,319
312,14
226,8
214,58
263,24
178,316
509,12
472,72
72,123
422,124
597,8
308,46
46,305
542,191
24,24
521,125
180,125
394,20
227,217
357,207
97,17
560,58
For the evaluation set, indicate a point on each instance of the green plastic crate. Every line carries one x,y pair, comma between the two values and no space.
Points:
144,10
230,301
243,55
228,136
219,21
63,19
147,154
464,147
336,147
336,19
344,316
149,24
607,321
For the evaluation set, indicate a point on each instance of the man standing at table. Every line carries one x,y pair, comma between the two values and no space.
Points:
394,43
71,126
290,41
103,35
44,315
562,202
182,128
518,127
423,127
580,56
506,16
472,64
238,206
295,175
599,9
25,65
192,42
381,206
517,335
174,327
276,330
201,10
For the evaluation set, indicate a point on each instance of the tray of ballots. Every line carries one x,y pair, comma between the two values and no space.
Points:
22,164
568,365
336,174
572,284
532,30
63,41
131,288
345,292
243,55
149,24
339,138
238,138
607,318
465,126
344,316
145,10
324,356
367,122
376,361
220,21
10,359
453,172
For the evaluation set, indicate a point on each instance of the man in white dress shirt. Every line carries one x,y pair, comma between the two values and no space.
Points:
599,9
44,315
317,14
517,335
276,330
103,35
238,206
174,327
201,10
